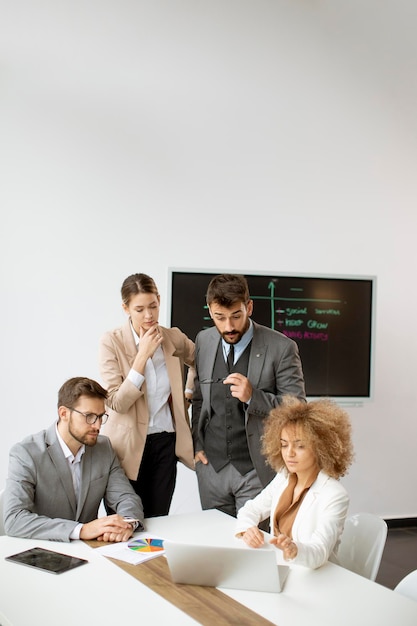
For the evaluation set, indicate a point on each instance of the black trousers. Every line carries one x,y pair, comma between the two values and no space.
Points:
155,483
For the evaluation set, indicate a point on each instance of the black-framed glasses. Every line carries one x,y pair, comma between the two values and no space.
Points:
91,418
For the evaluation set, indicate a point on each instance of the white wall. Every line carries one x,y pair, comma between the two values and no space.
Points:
138,135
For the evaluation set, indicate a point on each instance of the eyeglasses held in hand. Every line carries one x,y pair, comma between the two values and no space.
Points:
91,418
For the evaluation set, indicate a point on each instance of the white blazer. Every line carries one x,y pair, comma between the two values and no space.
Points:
318,524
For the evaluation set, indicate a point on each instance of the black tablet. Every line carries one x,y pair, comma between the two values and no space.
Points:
47,560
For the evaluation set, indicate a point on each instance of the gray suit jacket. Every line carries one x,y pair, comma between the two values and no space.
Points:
274,370
39,499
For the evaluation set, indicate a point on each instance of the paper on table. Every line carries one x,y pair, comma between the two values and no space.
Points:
122,552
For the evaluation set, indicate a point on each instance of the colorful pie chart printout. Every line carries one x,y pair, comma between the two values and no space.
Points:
146,544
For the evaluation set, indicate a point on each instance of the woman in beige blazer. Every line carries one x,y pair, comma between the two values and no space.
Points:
142,365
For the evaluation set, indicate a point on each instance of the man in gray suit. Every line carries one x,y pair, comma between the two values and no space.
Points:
58,477
243,370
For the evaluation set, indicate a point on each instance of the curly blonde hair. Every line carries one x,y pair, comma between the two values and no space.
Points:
325,427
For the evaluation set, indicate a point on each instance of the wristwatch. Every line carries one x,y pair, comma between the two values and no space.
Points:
133,522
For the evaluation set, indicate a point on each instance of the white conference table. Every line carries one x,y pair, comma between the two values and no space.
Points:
98,593
328,596
103,592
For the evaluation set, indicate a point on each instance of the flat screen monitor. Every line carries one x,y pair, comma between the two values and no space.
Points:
331,318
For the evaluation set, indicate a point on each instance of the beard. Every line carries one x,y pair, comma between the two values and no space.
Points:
87,439
233,337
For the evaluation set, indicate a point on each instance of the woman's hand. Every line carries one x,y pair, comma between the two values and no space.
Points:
188,399
150,340
253,537
286,544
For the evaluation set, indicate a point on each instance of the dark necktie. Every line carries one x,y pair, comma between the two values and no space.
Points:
231,358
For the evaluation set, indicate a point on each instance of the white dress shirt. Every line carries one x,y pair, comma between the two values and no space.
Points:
158,390
74,463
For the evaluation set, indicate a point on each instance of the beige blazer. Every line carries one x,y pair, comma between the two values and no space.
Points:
128,408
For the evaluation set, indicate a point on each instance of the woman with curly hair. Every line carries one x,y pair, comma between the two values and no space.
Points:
309,446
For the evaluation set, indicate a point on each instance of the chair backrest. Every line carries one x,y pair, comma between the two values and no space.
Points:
1,514
362,544
408,585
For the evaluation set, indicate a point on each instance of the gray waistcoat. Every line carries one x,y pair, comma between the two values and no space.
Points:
225,436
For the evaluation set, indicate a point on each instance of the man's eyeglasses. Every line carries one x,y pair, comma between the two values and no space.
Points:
91,418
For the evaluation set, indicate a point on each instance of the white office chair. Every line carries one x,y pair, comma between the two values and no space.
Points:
408,585
1,514
362,544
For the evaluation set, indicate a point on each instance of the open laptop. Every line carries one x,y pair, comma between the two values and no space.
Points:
233,568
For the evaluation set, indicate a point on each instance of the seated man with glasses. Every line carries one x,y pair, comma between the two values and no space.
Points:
58,477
